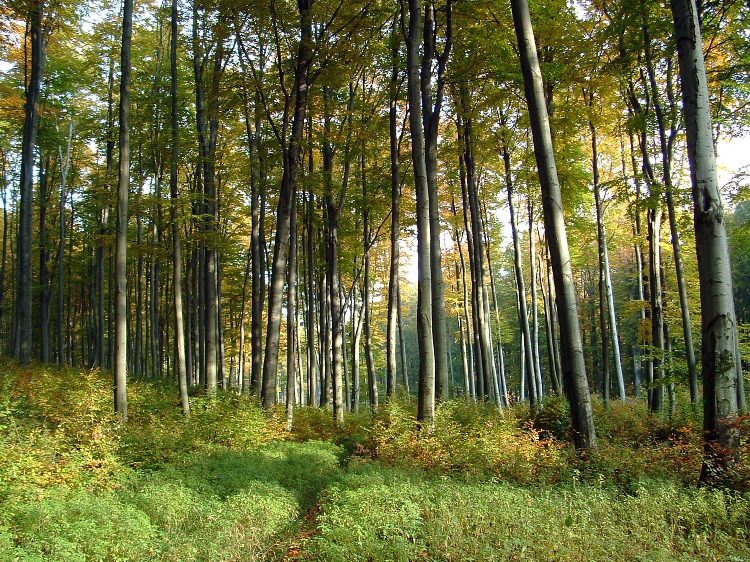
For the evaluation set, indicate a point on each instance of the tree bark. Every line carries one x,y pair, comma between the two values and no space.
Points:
718,321
179,331
426,392
121,242
24,286
287,193
574,367
59,322
393,278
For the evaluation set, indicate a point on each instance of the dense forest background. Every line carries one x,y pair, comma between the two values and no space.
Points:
329,202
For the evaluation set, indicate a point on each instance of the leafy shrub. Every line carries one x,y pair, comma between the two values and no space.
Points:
378,513
80,525
475,440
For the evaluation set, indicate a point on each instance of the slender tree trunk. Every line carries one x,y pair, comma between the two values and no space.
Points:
60,333
548,324
312,359
287,193
179,325
523,317
121,242
718,322
426,392
666,141
372,384
431,119
534,305
574,367
393,279
657,312
356,335
291,326
44,286
24,285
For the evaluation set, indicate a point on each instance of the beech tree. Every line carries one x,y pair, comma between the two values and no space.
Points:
720,363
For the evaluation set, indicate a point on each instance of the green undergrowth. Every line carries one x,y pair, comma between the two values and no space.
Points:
381,513
230,483
76,485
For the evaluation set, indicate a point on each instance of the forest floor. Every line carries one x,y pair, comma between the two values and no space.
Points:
231,484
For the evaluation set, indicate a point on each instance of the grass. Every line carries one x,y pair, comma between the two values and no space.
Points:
231,484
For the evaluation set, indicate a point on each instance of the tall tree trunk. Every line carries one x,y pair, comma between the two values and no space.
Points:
312,359
534,304
523,317
60,333
431,119
426,391
393,278
372,383
666,142
718,321
121,242
287,193
574,367
24,286
44,286
291,325
179,325
477,254
657,312
356,335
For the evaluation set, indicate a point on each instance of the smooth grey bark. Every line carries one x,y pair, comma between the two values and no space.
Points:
256,257
605,291
367,237
574,367
393,278
431,119
401,344
549,329
477,255
656,393
23,346
140,366
534,304
291,324
523,318
465,340
718,321
426,391
357,320
179,331
603,328
243,379
334,205
288,189
640,291
478,360
45,295
312,360
104,355
502,380
666,142
60,311
6,234
121,240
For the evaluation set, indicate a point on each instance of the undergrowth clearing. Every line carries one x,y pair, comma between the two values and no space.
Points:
231,484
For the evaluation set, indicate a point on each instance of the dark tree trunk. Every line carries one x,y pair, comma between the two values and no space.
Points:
24,285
